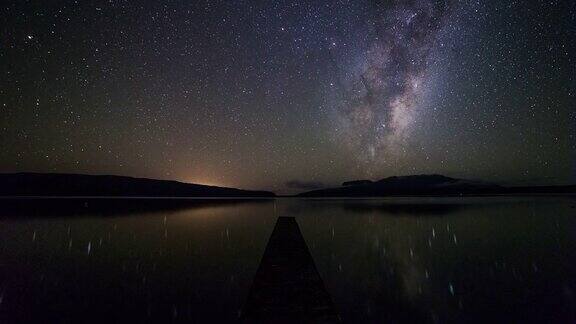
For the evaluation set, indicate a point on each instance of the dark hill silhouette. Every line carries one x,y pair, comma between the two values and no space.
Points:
58,184
356,182
429,185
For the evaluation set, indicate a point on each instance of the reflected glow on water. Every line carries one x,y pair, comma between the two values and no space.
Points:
398,260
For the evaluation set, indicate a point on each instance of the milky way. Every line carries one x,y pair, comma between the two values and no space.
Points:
376,105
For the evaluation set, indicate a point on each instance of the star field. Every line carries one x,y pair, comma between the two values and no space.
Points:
283,95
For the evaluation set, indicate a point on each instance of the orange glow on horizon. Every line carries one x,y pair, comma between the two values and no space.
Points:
204,181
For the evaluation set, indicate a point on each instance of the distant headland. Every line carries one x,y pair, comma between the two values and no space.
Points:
80,185
430,185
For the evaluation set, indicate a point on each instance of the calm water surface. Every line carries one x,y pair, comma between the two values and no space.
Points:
403,260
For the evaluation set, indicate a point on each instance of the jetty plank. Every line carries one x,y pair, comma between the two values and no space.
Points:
287,287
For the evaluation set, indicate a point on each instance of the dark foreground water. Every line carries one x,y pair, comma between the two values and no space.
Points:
431,260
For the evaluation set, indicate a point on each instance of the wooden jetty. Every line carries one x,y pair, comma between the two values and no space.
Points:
287,287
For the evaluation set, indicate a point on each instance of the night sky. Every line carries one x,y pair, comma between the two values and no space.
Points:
290,95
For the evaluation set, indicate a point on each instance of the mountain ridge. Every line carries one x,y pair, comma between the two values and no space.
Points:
77,185
429,185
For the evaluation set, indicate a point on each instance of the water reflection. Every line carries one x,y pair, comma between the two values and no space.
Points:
481,263
66,207
398,260
185,265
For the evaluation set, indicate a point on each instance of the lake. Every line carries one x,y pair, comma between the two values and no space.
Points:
399,260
